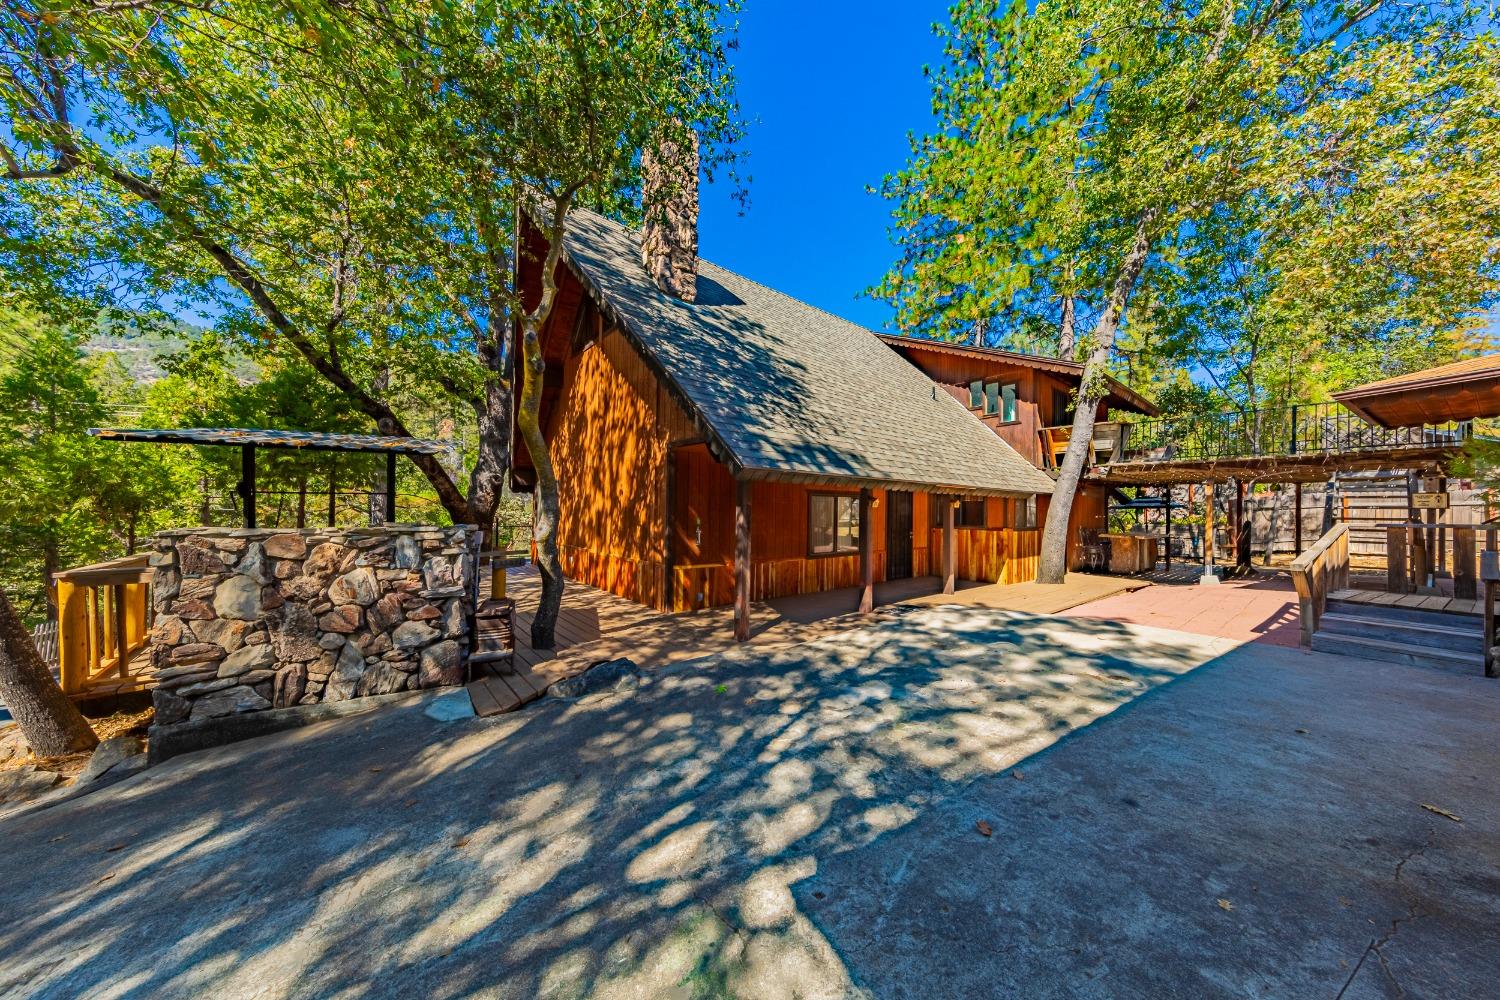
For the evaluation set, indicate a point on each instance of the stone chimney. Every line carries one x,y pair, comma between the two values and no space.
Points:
669,234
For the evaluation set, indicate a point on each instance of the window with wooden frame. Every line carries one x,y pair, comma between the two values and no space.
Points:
1025,511
966,513
833,524
997,398
970,514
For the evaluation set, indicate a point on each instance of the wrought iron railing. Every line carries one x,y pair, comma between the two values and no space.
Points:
1308,428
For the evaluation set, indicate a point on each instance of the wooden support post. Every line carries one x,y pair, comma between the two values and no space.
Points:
1489,577
1395,559
390,487
1209,576
1465,586
1166,542
247,483
741,560
1241,529
866,553
122,634
950,546
1491,663
1421,559
1297,520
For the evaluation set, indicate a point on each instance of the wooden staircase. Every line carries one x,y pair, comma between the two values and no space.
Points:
1446,634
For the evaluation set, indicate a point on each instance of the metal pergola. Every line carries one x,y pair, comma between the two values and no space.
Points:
250,439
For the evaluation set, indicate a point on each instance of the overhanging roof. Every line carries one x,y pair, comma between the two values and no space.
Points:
1464,390
261,438
1121,396
789,391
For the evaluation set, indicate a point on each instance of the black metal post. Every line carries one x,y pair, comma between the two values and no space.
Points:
390,487
247,483
1292,449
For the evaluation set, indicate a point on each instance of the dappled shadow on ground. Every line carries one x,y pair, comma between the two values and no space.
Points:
641,845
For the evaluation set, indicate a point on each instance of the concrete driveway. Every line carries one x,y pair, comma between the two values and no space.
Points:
1167,816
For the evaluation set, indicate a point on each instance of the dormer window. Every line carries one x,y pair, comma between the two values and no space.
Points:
997,399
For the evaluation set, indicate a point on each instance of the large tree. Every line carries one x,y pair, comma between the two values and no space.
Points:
1081,146
344,180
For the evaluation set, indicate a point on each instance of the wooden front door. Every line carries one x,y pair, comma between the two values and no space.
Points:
898,528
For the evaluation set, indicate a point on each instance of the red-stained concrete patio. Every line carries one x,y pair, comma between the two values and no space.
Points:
1261,609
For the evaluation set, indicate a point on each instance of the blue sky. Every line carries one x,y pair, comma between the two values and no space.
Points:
831,91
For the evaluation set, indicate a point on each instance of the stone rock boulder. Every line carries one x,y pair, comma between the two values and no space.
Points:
343,619
619,674
347,671
441,665
170,707
239,598
413,635
358,586
285,545
324,561
228,701
246,659
113,751
294,633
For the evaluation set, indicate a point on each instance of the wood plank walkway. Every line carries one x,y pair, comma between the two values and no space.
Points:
1418,602
1038,598
595,625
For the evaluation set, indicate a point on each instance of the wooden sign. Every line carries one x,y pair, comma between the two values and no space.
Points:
1429,501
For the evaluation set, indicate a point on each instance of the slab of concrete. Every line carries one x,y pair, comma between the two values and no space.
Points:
1168,815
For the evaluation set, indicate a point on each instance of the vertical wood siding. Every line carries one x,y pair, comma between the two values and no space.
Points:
611,434
991,555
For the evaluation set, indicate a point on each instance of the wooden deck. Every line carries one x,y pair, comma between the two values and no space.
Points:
595,625
1418,602
1037,598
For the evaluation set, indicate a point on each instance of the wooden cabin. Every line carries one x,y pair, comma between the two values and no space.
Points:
1028,402
744,445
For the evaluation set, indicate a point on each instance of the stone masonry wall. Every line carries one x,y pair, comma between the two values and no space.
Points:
251,619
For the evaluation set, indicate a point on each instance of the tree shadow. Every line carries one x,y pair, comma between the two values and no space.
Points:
636,845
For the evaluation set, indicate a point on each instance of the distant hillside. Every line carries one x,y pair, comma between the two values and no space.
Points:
141,348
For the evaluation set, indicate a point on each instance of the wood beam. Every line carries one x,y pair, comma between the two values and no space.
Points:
741,560
866,553
950,546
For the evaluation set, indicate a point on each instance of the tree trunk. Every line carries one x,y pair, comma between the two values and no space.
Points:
1053,565
1066,338
50,722
51,565
529,421
544,530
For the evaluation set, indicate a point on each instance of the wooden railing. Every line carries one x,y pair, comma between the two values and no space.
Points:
1318,572
103,615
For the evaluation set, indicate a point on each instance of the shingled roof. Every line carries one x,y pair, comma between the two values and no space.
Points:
789,391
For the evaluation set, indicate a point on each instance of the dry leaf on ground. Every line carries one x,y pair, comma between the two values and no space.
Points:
984,828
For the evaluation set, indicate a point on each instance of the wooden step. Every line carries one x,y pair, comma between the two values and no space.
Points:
1457,633
1397,652
1457,618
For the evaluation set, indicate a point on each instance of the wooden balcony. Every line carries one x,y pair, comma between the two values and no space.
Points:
104,615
